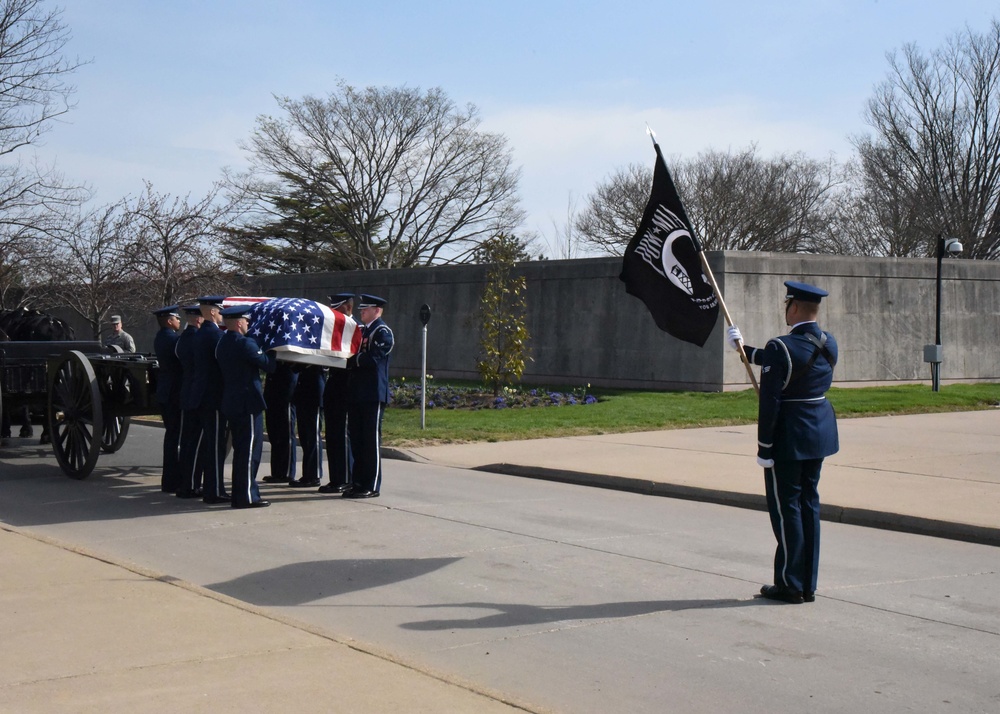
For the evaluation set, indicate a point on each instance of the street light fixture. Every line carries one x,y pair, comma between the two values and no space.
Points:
933,353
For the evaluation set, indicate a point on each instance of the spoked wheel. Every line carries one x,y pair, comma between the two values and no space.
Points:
75,418
115,431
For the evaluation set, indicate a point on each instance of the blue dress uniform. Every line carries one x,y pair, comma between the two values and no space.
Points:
207,388
168,396
336,396
243,406
192,460
280,416
369,393
307,399
797,429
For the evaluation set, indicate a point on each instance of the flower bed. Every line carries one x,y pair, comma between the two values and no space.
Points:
406,395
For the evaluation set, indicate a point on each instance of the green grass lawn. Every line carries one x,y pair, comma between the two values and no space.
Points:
623,411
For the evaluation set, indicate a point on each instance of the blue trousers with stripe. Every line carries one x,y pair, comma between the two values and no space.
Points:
212,450
793,504
364,425
248,438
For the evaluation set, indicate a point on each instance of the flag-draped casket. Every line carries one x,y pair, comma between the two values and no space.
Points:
301,330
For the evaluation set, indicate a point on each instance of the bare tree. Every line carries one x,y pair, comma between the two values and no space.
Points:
736,201
33,88
31,207
876,215
174,243
740,201
413,177
933,163
33,92
614,210
91,271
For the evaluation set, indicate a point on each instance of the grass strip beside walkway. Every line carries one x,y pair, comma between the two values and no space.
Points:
620,411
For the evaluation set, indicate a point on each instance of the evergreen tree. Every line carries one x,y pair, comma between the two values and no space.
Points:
299,232
503,336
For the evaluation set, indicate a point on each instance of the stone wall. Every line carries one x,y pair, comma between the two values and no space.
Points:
585,329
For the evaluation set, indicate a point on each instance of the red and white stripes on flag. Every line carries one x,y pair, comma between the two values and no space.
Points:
301,330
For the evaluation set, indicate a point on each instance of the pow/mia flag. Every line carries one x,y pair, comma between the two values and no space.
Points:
662,265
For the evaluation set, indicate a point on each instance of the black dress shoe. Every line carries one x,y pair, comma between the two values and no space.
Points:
275,479
304,483
217,499
187,494
779,592
254,504
808,596
360,493
334,488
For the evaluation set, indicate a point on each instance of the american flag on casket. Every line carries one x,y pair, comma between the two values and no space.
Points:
301,330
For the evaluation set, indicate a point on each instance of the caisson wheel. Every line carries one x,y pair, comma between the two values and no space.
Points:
75,419
115,431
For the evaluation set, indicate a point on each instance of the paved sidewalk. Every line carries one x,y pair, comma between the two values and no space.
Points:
83,634
932,474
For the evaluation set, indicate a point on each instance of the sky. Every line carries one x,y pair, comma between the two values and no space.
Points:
171,89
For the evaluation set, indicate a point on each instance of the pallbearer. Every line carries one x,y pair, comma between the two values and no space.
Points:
369,394
335,401
168,393
192,459
207,389
241,360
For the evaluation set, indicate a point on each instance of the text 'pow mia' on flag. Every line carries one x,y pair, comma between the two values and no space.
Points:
301,330
662,265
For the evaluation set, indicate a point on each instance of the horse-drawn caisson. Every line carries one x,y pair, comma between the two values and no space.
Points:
87,392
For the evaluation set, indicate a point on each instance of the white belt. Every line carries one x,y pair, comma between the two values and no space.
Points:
811,399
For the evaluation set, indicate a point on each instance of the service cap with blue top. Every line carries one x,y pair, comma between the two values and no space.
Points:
804,292
212,300
192,310
340,298
236,311
371,301
168,310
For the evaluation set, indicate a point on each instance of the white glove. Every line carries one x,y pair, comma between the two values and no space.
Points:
765,463
734,337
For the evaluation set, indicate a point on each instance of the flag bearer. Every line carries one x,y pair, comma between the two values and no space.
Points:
796,430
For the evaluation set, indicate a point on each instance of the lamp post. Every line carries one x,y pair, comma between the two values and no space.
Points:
933,353
425,317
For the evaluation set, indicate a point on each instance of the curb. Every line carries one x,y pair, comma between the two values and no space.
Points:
981,535
915,525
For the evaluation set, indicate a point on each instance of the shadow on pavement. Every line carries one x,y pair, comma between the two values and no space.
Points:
300,583
508,615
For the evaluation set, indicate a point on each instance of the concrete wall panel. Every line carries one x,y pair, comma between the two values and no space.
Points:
584,328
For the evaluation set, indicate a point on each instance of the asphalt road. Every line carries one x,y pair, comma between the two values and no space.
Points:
563,598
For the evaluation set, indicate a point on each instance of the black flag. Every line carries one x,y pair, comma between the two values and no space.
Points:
662,265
